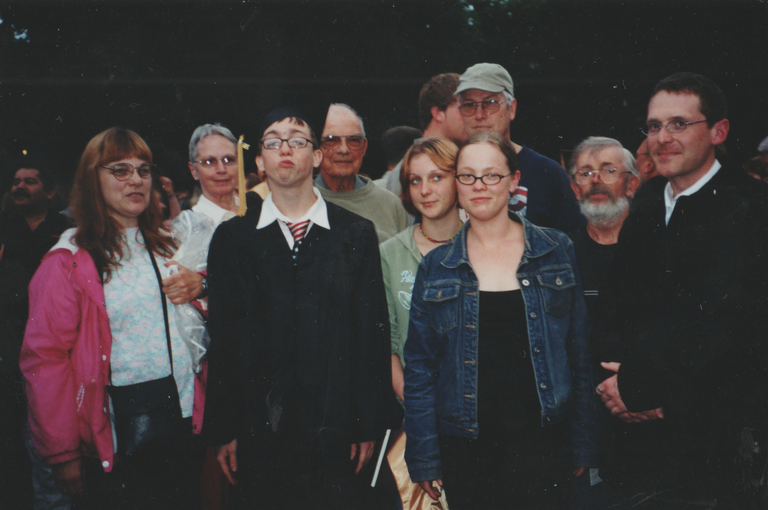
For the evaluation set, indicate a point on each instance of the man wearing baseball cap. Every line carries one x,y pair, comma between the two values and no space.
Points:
487,103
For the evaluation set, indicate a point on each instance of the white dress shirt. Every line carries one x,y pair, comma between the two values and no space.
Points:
670,199
317,214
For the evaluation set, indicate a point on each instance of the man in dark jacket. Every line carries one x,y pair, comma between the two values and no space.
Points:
299,371
28,229
682,322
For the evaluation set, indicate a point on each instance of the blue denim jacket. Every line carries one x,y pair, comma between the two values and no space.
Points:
441,350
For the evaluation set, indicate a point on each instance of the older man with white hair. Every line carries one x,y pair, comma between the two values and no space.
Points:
344,144
604,177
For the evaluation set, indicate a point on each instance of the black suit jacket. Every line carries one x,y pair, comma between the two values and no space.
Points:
684,311
299,348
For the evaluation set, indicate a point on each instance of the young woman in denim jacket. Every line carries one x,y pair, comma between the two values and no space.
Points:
499,407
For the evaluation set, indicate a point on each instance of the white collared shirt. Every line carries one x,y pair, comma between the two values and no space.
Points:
670,199
317,214
213,211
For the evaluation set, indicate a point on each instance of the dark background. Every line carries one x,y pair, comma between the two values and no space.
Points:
71,69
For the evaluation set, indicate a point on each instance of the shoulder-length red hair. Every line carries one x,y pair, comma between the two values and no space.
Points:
97,232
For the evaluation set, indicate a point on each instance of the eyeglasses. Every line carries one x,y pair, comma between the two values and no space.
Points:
674,126
294,142
488,180
124,171
214,162
468,109
354,142
607,175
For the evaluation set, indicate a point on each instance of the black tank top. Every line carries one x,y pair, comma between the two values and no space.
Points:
507,396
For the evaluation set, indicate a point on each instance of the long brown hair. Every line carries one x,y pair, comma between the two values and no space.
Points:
97,232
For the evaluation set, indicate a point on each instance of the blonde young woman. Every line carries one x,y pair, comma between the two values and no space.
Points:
429,190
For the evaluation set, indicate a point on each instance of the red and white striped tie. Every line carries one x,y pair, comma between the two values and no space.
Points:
298,230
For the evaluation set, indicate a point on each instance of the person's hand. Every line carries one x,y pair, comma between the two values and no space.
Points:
226,455
579,471
609,394
363,451
433,492
183,286
167,185
69,476
651,414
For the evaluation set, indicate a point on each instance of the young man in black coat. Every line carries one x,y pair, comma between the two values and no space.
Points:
299,361
682,323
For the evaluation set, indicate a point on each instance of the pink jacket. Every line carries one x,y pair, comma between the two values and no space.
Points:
65,359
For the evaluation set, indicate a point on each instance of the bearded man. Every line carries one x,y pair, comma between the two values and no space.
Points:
604,177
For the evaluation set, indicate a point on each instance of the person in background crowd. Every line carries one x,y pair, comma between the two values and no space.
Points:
682,322
757,168
395,141
487,103
105,325
213,163
27,231
344,144
762,150
438,116
497,365
296,296
604,178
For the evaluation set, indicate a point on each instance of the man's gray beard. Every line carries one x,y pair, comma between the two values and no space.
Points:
604,214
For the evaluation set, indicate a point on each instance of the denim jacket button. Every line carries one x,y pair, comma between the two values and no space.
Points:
543,386
536,350
525,283
469,395
533,315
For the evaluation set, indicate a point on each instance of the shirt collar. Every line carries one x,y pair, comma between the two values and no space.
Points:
213,211
670,200
317,214
320,182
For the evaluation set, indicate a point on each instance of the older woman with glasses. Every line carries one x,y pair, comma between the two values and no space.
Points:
499,407
102,357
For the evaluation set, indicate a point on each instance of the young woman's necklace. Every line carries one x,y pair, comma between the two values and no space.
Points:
435,240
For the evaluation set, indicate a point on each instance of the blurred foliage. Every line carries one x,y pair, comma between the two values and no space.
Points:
163,67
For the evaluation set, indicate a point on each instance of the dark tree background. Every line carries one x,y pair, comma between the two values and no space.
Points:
70,69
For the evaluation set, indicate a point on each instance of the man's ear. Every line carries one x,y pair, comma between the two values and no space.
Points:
632,184
260,164
576,190
318,157
513,110
193,170
50,193
437,114
719,131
